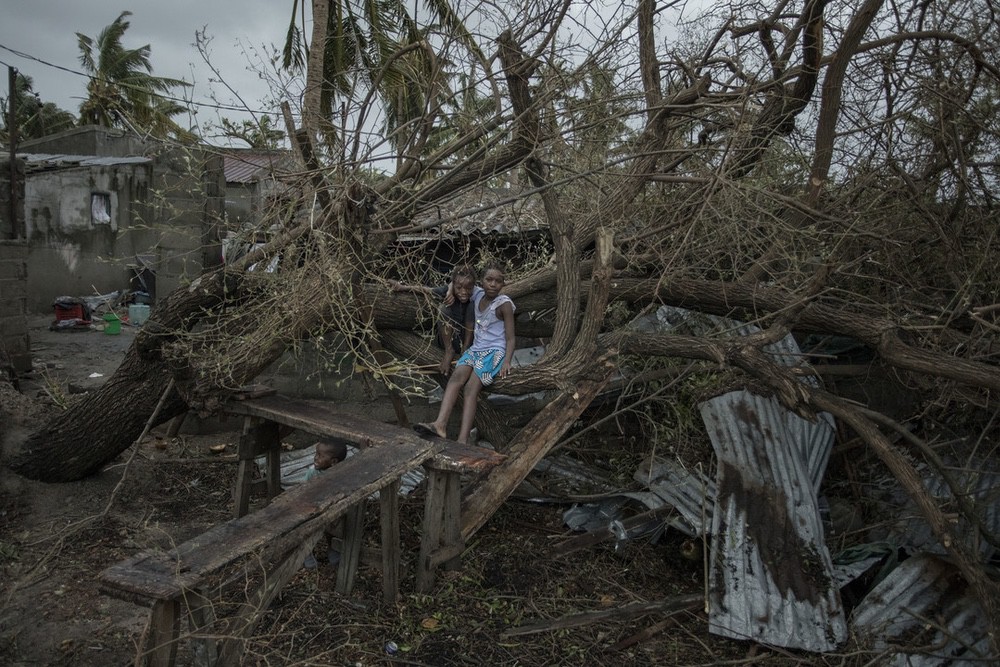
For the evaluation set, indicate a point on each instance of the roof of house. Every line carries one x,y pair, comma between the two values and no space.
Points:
35,162
247,166
481,211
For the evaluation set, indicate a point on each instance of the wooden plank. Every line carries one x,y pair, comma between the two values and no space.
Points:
465,458
321,418
292,516
530,445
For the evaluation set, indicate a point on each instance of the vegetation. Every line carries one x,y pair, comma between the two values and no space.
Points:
815,168
259,135
122,91
34,118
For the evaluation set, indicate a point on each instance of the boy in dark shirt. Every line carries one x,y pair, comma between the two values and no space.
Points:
455,297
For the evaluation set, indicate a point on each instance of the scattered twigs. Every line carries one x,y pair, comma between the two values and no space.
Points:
629,611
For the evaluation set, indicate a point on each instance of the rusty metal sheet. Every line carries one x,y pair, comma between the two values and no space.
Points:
243,166
771,577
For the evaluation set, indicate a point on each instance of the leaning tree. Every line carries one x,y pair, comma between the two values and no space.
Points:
811,167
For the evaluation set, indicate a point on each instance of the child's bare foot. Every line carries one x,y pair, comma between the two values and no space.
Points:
429,430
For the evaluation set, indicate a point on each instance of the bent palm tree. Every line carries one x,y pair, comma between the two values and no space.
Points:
123,91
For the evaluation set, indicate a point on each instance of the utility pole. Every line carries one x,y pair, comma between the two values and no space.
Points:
12,143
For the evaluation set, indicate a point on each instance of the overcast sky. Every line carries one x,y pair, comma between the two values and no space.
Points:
46,30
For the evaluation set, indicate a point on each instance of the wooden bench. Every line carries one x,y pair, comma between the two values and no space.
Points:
441,541
251,557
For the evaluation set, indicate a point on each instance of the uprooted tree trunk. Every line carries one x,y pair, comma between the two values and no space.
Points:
646,216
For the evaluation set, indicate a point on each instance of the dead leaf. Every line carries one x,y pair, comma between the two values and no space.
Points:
430,623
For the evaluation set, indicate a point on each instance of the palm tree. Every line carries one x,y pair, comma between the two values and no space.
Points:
34,118
379,43
123,91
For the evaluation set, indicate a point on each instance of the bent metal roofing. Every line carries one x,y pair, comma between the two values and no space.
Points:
35,162
480,211
250,167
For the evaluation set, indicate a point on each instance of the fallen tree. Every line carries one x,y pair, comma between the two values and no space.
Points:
697,197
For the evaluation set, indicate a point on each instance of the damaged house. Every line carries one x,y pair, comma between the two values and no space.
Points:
105,211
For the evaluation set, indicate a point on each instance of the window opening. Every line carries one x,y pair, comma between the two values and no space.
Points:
100,208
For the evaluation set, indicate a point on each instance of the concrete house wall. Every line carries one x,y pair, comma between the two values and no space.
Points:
14,343
166,205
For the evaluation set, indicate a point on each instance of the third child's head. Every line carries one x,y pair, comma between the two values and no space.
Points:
463,279
327,453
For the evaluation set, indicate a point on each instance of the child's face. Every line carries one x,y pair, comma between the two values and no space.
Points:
323,458
493,281
462,287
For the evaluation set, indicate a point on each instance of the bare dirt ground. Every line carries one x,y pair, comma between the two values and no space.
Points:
55,539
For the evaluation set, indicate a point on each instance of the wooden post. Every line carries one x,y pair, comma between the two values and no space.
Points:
270,434
244,471
159,639
201,616
430,540
389,510
353,535
258,437
451,519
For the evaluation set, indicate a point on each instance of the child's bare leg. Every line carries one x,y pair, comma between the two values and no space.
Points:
472,389
451,391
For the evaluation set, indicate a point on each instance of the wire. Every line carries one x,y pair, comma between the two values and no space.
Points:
207,105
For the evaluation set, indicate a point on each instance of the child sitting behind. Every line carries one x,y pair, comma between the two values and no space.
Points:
328,452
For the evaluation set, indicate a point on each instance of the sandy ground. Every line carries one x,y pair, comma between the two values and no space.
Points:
55,537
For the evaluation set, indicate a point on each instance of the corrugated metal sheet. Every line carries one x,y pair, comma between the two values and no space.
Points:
979,484
924,615
771,577
51,161
250,167
482,211
690,492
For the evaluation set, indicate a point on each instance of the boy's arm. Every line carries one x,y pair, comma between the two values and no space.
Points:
470,327
397,286
447,334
